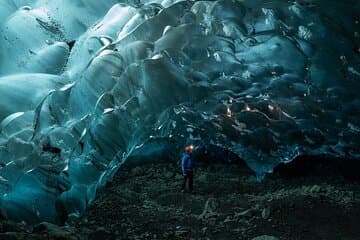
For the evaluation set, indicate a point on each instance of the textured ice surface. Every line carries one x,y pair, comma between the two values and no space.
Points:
268,80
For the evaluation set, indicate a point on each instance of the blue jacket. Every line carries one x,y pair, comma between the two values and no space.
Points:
187,163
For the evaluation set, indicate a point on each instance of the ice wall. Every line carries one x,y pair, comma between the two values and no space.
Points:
85,84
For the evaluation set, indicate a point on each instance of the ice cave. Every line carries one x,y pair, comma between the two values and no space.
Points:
87,85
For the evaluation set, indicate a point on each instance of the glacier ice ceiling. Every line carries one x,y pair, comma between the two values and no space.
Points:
87,84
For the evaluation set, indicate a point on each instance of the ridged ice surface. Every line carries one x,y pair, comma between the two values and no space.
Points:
269,80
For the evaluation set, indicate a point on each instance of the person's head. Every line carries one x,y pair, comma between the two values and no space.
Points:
189,148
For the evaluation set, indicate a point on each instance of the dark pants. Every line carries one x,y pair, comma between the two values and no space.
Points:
189,177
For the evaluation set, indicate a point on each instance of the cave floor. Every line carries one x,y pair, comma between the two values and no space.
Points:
228,203
146,202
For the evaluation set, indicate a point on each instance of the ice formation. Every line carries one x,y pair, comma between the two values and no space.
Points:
86,84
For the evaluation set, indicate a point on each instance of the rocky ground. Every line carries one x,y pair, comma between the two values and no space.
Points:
145,202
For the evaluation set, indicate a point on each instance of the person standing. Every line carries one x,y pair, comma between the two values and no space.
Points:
187,167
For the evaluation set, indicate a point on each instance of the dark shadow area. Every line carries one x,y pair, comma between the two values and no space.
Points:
161,151
211,154
71,44
305,166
